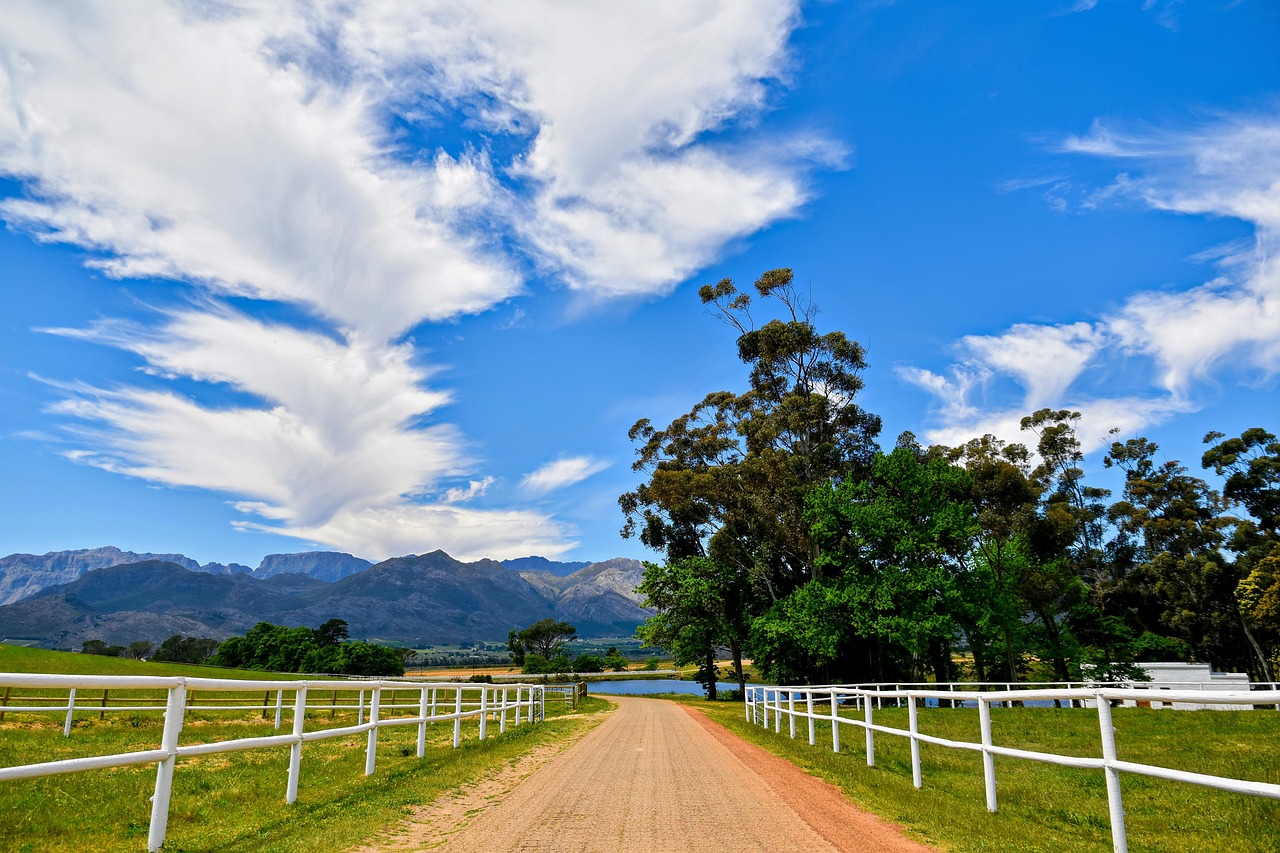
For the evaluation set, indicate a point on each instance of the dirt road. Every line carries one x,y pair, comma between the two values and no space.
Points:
653,776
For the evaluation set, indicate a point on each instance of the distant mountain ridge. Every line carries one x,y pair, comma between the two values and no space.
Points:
24,575
321,565
427,599
542,564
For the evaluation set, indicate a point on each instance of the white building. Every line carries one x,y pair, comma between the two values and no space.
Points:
1171,675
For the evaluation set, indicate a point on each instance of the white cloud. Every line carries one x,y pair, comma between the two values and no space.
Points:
182,147
474,489
561,473
1232,323
626,199
466,534
1044,359
329,425
258,150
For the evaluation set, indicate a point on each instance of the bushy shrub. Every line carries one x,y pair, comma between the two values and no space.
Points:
588,663
535,665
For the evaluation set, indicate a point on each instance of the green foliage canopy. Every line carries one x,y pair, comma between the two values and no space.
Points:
276,648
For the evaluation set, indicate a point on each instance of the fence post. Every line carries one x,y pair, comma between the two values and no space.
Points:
484,710
102,715
371,752
835,722
4,703
279,707
1114,804
988,760
914,721
777,711
791,711
174,710
360,709
422,723
71,707
502,711
809,708
764,707
295,748
542,704
871,736
266,700
457,720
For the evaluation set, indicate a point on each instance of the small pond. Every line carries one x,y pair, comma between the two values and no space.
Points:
639,687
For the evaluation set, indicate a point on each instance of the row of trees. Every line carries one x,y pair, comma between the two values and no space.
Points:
327,649
788,535
176,649
542,648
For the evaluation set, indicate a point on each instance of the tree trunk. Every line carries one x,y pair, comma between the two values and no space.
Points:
711,672
1008,651
1257,650
736,648
941,661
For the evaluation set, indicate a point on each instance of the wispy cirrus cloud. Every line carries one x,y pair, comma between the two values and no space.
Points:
1230,167
560,474
285,153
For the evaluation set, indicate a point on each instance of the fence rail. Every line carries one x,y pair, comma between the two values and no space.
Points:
436,703
823,703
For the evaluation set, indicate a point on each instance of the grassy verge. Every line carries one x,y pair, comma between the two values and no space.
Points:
23,659
1043,807
235,801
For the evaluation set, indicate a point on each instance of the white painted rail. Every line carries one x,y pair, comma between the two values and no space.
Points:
814,703
469,701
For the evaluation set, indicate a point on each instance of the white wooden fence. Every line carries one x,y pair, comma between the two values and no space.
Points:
484,703
768,704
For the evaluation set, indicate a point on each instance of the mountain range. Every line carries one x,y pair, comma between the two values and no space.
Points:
23,575
421,600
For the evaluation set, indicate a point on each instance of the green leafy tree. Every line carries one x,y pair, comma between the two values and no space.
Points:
101,648
699,611
180,649
140,649
332,632
354,658
535,664
614,660
1251,464
276,648
1179,529
588,663
1005,498
546,638
1068,577
728,480
896,546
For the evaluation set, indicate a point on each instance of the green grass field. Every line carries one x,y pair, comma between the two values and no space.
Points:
232,801
24,659
1043,807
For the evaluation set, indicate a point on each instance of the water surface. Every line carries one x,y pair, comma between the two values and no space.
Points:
640,687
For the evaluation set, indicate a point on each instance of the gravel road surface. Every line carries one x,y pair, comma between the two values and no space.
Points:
654,776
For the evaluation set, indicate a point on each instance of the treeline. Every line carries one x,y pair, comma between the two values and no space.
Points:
542,649
792,537
176,649
327,649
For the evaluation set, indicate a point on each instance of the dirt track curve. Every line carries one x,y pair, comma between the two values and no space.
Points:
654,776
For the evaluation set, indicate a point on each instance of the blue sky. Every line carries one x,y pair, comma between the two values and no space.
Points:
279,276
